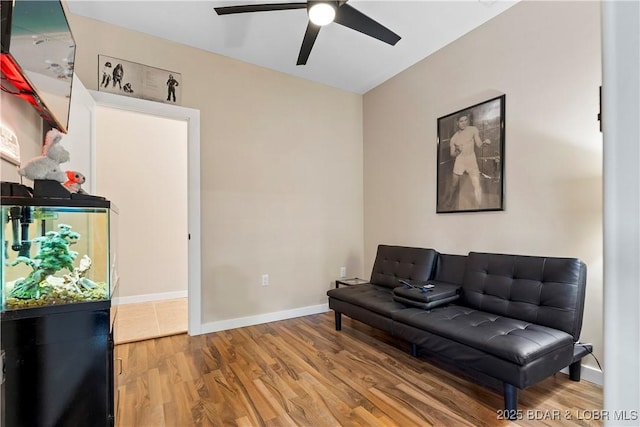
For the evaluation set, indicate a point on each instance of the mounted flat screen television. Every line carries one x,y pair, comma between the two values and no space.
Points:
38,53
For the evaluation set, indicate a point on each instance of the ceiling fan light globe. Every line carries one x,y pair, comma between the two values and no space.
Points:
322,14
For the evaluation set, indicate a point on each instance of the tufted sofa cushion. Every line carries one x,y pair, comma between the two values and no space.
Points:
378,299
450,268
542,290
399,262
509,339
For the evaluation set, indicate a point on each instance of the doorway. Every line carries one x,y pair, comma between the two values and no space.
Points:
124,112
141,166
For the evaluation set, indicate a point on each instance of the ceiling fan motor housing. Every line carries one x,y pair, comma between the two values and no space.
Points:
337,11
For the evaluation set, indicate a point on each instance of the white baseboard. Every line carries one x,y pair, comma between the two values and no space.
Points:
149,297
590,374
241,322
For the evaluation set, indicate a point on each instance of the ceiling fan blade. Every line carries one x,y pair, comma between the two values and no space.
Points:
226,10
307,43
352,18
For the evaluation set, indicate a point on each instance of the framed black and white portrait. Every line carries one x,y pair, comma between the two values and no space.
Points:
139,81
470,169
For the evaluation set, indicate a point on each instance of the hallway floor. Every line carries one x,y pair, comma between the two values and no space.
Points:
147,320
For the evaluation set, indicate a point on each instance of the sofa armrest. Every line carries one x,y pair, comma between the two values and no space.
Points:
427,298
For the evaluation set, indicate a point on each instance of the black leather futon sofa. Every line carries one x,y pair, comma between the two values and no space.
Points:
512,317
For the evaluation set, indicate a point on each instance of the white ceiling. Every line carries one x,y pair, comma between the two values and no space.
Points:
341,57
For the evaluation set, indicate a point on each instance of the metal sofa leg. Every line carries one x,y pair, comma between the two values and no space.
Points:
414,349
574,370
510,400
338,316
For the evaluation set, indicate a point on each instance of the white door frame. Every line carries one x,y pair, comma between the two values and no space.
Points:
192,117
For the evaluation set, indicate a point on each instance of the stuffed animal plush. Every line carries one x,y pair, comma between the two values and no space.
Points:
74,182
47,166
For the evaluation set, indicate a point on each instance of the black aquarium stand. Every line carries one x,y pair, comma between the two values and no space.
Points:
58,366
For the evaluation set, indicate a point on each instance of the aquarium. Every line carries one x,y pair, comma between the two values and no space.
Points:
55,252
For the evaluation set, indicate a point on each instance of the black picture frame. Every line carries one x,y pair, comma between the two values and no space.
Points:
484,130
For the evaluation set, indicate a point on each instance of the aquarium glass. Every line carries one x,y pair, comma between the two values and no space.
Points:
54,255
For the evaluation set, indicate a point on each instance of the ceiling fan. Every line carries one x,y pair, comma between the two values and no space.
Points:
322,13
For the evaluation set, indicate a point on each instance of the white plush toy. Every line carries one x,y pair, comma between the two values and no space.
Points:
47,166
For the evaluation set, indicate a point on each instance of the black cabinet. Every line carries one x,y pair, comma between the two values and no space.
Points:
58,366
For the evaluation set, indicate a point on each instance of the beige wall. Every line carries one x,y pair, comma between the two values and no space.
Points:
545,56
24,121
281,180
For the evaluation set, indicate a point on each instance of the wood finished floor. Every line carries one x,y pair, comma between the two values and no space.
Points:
301,372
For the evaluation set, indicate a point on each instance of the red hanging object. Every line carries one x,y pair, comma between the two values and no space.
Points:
14,83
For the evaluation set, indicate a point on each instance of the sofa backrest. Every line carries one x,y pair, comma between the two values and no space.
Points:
400,262
542,290
450,268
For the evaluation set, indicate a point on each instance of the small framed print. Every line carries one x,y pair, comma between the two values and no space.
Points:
139,81
9,146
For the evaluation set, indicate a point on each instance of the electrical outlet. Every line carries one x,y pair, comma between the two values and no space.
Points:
265,280
343,272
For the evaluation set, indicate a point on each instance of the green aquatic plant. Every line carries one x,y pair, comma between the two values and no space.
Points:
53,256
